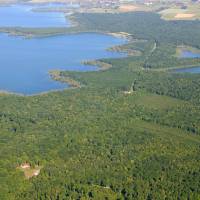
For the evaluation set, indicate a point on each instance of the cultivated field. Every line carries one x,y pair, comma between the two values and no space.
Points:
188,12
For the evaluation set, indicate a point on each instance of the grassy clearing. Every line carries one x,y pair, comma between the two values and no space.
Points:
30,171
190,12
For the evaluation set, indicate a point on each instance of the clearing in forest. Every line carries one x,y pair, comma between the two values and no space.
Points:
30,171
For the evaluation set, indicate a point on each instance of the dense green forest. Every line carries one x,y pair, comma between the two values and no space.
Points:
129,132
144,25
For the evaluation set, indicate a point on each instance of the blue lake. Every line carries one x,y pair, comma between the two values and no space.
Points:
25,62
194,70
189,54
23,16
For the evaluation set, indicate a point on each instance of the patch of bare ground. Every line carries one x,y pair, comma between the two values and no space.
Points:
127,8
122,35
184,15
30,171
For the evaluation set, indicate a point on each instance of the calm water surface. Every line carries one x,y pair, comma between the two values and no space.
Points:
23,16
189,54
25,62
194,70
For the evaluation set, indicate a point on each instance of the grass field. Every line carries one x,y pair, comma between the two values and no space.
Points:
190,12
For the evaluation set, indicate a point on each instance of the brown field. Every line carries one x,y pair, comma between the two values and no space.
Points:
184,15
191,12
127,8
29,171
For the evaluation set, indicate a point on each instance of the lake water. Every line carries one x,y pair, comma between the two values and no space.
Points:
25,62
194,70
23,16
189,54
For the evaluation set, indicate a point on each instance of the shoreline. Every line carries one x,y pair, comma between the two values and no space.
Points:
188,67
28,33
73,84
73,29
56,76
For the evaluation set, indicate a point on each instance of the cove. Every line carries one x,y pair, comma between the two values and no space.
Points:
24,63
23,16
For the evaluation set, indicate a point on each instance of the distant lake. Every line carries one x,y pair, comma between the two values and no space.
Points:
23,16
189,54
25,62
193,70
